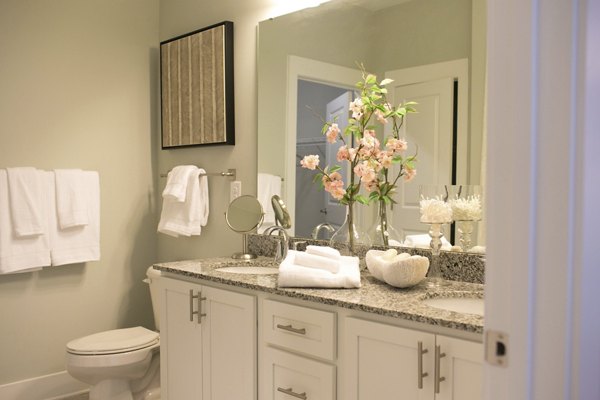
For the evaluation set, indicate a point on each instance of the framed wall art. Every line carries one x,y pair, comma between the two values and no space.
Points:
196,70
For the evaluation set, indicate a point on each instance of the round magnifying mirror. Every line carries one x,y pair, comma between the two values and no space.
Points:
243,215
281,213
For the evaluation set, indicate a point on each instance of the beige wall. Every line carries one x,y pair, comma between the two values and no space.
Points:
78,90
182,16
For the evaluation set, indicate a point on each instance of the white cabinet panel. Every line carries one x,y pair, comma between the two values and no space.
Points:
288,377
462,368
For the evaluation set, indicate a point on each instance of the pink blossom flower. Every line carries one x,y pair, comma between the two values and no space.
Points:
310,161
396,145
332,133
409,173
380,117
365,171
356,107
385,158
334,185
370,186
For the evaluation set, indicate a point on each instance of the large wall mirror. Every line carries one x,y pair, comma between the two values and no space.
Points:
307,65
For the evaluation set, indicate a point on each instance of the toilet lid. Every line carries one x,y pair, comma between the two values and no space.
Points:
115,341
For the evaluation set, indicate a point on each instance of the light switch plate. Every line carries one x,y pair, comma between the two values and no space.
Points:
235,190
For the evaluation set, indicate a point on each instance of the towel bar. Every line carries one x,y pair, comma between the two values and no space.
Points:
231,173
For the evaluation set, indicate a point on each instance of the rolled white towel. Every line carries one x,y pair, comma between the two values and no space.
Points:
315,261
324,251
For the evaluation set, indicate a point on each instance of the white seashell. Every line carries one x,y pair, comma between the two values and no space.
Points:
406,272
374,261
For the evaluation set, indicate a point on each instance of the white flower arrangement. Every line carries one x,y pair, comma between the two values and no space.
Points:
435,211
466,209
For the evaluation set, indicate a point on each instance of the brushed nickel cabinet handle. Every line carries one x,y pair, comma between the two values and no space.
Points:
438,379
290,328
290,392
420,373
198,312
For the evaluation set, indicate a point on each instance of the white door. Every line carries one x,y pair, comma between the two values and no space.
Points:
180,342
337,110
461,368
229,345
430,130
383,362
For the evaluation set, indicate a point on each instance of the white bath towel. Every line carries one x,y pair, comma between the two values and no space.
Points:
186,217
424,241
25,199
81,243
292,275
306,259
177,182
21,254
71,198
267,186
324,251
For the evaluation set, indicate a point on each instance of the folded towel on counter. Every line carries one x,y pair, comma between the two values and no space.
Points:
267,186
424,241
177,182
293,275
25,199
306,259
71,198
186,217
81,243
28,253
324,251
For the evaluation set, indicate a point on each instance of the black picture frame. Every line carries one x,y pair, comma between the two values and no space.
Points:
196,74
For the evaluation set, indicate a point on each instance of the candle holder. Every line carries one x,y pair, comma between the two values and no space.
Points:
465,201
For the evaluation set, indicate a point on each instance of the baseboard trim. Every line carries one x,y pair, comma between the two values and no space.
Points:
46,387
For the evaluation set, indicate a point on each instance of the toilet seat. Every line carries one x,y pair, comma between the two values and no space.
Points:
114,342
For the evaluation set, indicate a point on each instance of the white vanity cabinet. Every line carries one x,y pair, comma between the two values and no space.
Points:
297,352
208,343
384,361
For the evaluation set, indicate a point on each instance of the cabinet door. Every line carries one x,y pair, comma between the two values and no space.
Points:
229,345
180,342
286,376
461,368
383,362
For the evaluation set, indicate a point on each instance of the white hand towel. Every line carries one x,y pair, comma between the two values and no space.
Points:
76,244
186,218
21,254
319,262
25,201
292,275
324,251
424,241
267,186
71,198
177,182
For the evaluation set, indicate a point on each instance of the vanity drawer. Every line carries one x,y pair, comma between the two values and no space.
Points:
301,329
289,377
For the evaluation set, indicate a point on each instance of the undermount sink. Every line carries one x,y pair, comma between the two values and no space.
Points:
464,305
254,270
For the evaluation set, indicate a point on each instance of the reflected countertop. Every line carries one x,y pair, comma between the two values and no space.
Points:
372,297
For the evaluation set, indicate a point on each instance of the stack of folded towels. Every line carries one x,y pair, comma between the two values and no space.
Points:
319,267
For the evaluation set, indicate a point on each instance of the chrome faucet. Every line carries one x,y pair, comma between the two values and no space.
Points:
282,249
325,225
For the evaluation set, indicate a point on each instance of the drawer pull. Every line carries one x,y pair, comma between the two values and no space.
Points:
420,373
438,378
290,328
290,392
199,300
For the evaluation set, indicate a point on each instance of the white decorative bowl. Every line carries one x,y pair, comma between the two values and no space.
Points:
398,270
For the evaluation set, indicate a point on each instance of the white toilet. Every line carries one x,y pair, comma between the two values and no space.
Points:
122,364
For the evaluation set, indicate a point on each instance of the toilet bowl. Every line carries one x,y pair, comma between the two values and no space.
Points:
120,364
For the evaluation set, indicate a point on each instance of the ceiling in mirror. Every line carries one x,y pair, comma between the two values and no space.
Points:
329,40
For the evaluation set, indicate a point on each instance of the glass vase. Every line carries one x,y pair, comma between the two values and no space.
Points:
434,274
349,237
465,232
382,233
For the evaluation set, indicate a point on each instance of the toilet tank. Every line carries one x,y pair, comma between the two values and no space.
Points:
153,276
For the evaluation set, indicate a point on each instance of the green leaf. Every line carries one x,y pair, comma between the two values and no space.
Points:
335,168
317,177
386,81
361,199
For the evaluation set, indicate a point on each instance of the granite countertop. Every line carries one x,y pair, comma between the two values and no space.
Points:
373,296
